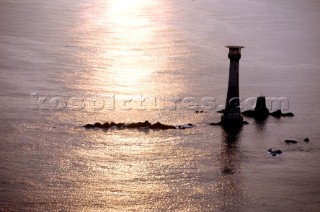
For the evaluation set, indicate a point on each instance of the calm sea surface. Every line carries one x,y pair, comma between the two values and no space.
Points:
112,60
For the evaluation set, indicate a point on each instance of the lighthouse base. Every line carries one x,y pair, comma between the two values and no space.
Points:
232,121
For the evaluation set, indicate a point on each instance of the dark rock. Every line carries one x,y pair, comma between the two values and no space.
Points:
261,111
276,114
306,140
106,125
97,124
88,126
139,125
185,126
215,124
263,114
160,126
278,151
287,114
120,125
245,122
275,152
228,171
248,113
291,141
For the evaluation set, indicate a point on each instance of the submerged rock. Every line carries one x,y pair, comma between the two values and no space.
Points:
306,140
199,111
278,114
185,126
216,123
291,141
275,151
287,114
228,171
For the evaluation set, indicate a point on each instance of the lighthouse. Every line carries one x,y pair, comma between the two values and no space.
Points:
232,114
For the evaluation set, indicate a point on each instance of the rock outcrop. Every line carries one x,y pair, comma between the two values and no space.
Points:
136,125
274,152
291,141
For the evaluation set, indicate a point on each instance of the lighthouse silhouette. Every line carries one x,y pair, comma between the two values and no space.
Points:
232,115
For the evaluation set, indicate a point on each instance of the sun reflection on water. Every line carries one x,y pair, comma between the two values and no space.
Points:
126,55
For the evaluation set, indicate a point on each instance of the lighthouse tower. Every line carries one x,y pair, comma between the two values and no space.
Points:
232,114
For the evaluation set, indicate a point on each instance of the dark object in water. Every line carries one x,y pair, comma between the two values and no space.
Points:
103,126
228,171
287,114
261,111
215,124
232,118
278,114
88,126
137,125
199,111
275,152
106,125
95,125
189,125
306,140
160,126
119,125
291,141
